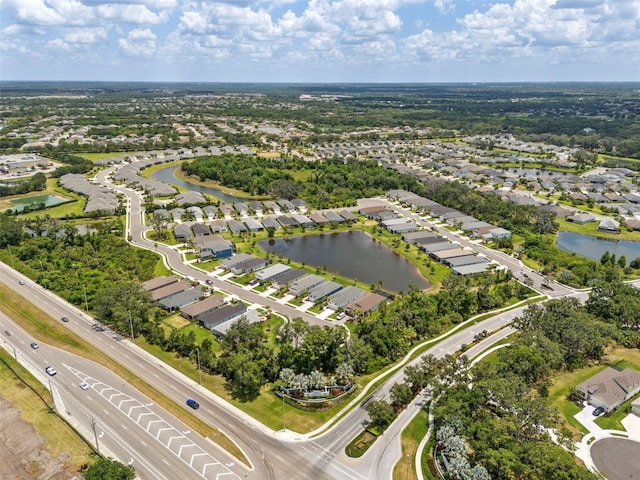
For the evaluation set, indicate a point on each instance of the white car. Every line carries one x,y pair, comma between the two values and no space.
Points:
84,386
50,370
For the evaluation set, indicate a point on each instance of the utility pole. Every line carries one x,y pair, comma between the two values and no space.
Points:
131,324
86,305
95,434
284,427
15,355
199,371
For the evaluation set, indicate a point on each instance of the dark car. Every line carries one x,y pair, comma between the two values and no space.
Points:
20,282
193,404
598,411
65,319
34,345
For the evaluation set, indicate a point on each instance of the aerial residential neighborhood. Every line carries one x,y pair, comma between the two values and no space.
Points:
249,291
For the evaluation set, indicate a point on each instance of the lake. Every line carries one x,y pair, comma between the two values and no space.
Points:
352,254
48,200
594,247
168,175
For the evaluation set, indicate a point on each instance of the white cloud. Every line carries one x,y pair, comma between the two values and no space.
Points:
136,14
86,35
139,43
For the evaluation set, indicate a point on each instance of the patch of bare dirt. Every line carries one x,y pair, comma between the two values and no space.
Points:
22,451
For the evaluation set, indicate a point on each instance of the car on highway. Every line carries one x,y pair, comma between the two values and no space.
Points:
209,281
34,345
50,370
84,385
193,404
65,319
598,411
20,282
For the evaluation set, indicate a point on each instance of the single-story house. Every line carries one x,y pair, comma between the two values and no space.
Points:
271,271
305,283
214,247
345,296
323,290
286,205
581,218
413,237
159,282
210,211
182,231
248,266
208,304
270,222
241,208
170,289
256,207
222,314
231,262
253,225
610,388
180,299
470,269
609,225
221,329
287,221
304,221
441,255
364,305
286,278
200,229
236,227
333,217
318,218
469,259
227,210
348,216
218,226
435,247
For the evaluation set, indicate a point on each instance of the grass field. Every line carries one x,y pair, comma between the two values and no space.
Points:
101,156
59,437
411,438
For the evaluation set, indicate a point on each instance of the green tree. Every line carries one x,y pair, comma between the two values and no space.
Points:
107,469
381,413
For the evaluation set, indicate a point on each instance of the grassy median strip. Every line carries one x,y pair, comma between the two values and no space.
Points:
410,439
45,329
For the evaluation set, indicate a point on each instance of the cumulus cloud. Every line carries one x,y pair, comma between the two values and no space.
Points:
139,43
86,35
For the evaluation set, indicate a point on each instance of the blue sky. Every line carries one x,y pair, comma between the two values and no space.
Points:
320,40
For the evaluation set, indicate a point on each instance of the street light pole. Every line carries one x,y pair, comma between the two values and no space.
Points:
284,427
86,305
95,434
131,325
199,371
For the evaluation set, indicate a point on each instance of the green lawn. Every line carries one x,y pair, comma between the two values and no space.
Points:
101,156
411,438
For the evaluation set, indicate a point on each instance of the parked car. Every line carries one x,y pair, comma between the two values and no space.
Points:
598,411
50,370
65,319
193,404
341,315
34,345
84,385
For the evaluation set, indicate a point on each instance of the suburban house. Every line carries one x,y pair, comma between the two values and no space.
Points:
345,296
236,227
221,329
159,282
609,225
180,299
182,231
271,223
200,229
222,314
213,246
218,226
248,266
581,218
333,217
364,305
610,388
253,225
229,263
208,304
286,278
323,290
305,283
271,272
170,289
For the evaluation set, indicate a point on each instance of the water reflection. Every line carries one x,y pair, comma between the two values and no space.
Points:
168,175
352,254
594,247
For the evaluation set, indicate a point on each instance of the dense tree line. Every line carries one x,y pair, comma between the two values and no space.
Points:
36,183
331,183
